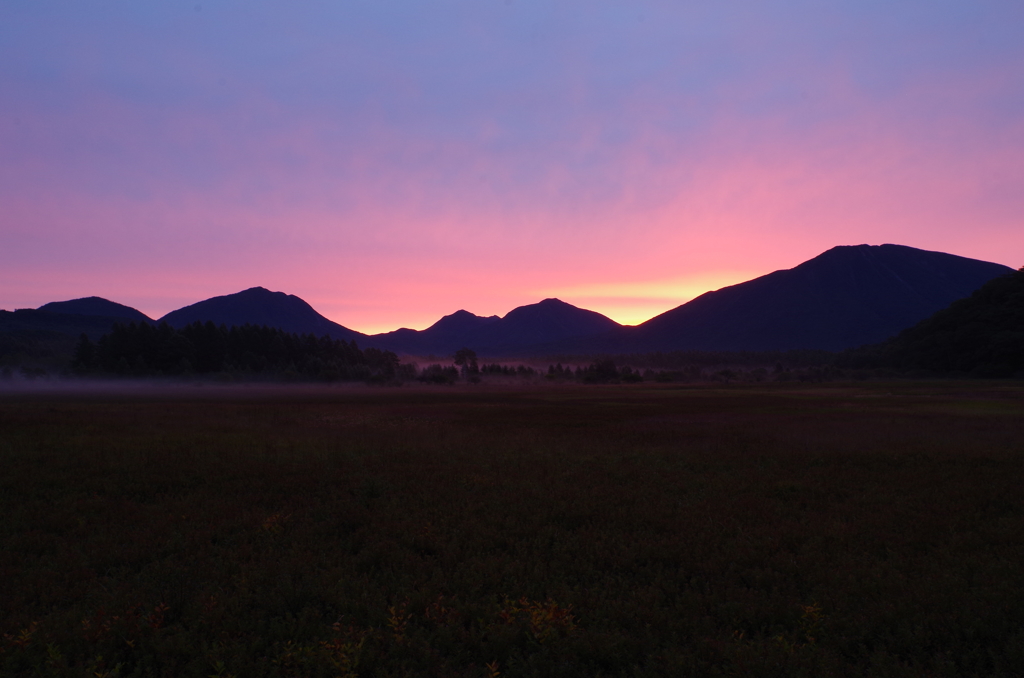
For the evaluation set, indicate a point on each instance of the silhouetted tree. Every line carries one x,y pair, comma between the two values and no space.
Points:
601,372
466,359
436,374
85,354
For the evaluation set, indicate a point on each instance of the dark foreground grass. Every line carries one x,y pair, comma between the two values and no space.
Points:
579,531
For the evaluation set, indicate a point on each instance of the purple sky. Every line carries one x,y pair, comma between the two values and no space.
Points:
392,162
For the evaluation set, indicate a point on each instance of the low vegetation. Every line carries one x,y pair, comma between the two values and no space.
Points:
551,530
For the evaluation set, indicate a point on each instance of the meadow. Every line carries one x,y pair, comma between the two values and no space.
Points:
784,529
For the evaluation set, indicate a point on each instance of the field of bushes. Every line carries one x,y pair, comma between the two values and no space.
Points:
531,529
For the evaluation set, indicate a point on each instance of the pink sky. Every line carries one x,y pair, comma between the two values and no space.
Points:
390,166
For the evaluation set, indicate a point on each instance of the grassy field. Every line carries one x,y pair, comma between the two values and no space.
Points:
641,530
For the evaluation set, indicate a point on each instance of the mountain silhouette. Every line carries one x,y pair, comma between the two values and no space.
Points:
550,320
460,323
845,297
96,306
259,306
451,330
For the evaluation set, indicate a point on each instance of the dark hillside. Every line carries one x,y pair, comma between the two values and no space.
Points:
39,339
72,325
45,338
982,335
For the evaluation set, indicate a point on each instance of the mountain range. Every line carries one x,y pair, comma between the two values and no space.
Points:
845,297
551,320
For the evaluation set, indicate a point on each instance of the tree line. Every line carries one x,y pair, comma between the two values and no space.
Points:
260,352
204,348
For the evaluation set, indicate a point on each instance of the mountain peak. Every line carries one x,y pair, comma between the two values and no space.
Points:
548,321
550,305
260,306
260,292
846,296
460,321
886,249
96,306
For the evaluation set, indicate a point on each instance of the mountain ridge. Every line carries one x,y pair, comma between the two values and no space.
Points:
847,296
543,322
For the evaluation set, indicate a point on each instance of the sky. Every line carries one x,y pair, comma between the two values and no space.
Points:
392,161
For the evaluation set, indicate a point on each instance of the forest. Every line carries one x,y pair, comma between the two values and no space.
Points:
142,350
